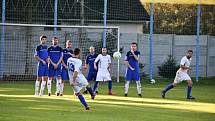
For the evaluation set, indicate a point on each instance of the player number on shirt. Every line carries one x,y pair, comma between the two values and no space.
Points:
71,67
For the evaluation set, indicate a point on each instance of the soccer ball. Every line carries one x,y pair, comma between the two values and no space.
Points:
153,81
117,55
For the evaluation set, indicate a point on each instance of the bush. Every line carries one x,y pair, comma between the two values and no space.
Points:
168,68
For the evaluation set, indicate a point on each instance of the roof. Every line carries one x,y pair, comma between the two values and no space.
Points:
43,10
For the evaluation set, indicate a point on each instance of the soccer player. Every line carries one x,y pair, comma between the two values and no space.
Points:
67,53
76,78
41,55
132,62
90,63
104,67
55,58
181,75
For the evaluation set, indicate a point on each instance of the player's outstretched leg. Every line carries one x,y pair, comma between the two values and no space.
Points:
110,87
82,100
126,88
95,86
90,90
170,86
189,87
139,88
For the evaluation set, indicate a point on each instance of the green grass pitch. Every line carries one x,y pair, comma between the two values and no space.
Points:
17,103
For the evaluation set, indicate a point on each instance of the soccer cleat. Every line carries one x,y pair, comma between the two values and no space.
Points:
93,96
110,93
49,94
87,108
97,92
162,94
126,95
85,92
61,94
139,95
57,93
191,98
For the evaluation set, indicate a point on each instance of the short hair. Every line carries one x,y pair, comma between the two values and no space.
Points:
189,51
134,43
54,38
76,51
68,41
42,36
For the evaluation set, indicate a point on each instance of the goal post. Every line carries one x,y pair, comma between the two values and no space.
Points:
20,41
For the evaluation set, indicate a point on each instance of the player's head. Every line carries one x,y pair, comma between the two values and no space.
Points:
77,52
134,46
189,53
91,50
68,44
54,41
104,51
43,39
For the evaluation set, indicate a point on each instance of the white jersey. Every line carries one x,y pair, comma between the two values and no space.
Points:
103,61
186,62
75,64
181,74
103,73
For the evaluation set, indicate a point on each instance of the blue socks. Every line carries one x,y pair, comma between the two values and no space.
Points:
188,90
90,90
170,86
95,86
81,98
110,85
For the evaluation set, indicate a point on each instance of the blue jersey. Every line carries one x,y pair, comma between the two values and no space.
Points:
131,60
90,61
55,53
67,53
42,51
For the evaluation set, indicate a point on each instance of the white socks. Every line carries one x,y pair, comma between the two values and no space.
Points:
43,84
37,86
138,87
58,85
49,86
126,86
61,89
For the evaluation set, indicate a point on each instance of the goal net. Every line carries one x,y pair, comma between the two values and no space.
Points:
19,42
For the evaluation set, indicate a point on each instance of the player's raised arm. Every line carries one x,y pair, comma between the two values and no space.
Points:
136,57
127,63
96,60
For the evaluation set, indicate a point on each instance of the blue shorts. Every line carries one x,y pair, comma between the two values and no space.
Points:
42,70
55,72
91,76
64,74
132,75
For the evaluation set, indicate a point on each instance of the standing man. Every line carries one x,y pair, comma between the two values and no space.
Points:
132,62
90,63
55,58
41,55
76,78
67,53
104,68
181,75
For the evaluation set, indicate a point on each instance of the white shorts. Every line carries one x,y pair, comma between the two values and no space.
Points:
103,75
81,82
181,76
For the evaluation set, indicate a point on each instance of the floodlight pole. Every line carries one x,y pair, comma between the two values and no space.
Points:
55,17
105,18
197,40
150,38
2,40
